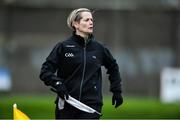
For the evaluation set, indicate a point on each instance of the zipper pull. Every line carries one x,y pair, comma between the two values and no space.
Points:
85,42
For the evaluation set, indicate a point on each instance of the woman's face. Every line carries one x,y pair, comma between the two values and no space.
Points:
85,25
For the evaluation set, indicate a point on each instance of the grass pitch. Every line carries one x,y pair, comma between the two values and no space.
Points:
42,107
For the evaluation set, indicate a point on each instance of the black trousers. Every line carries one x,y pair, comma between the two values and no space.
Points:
70,112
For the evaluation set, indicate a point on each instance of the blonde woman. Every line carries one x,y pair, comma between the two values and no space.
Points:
77,63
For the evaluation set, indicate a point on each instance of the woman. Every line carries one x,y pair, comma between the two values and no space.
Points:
77,63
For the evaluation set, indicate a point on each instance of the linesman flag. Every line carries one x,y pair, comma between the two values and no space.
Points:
18,115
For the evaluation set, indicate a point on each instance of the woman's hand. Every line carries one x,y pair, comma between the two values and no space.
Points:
117,99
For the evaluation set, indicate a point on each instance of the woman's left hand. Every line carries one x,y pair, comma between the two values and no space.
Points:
117,99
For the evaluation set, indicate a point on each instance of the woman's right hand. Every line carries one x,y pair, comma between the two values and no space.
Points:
61,90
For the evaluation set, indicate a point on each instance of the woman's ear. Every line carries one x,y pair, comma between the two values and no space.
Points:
75,24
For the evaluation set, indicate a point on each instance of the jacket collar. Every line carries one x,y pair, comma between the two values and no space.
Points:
81,40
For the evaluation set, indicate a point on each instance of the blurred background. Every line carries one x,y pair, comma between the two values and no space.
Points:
143,35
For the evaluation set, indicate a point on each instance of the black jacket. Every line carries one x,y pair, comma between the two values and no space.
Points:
78,65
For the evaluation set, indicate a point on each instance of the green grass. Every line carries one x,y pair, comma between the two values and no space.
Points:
141,108
36,107
42,107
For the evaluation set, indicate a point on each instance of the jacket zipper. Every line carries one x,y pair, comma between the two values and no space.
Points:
84,68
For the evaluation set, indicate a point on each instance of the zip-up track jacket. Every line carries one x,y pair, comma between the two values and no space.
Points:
78,65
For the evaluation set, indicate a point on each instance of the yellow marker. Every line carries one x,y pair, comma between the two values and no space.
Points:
18,115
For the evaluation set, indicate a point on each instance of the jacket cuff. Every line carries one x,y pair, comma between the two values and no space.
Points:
116,91
55,80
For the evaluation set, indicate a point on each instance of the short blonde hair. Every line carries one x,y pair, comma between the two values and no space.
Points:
75,16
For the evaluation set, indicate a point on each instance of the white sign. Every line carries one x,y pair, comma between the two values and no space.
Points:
170,85
5,80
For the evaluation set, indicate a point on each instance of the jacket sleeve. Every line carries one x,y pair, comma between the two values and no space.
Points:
50,66
113,71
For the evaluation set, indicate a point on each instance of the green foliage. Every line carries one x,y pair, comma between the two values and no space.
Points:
42,107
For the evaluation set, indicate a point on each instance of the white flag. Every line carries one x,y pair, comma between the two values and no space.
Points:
79,105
